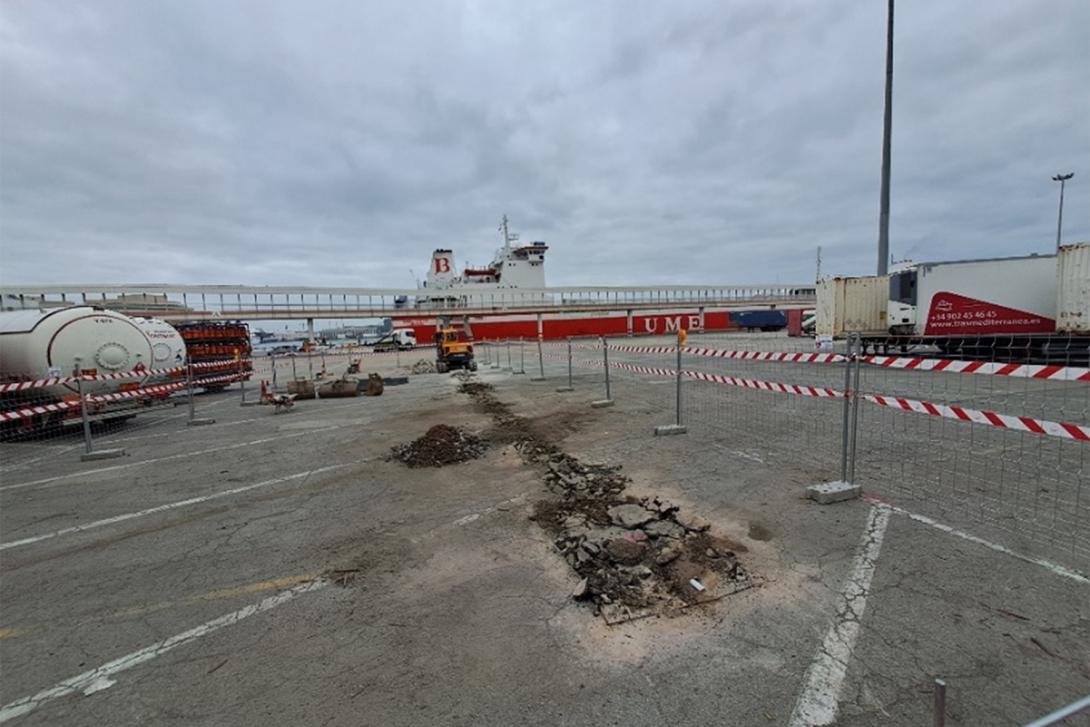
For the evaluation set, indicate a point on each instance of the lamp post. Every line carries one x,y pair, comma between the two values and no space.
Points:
887,131
1062,179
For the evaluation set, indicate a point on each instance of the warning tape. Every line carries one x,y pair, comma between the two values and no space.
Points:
1029,371
8,416
30,411
1065,430
767,355
817,391
120,375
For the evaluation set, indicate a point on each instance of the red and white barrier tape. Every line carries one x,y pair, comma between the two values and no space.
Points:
30,411
1064,430
120,375
1029,371
784,356
817,391
9,416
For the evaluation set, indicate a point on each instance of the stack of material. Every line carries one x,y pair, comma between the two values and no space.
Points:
424,366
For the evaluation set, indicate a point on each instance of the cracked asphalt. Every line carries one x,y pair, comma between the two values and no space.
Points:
446,605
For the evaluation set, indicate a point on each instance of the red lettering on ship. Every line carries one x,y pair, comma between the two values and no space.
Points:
442,265
956,315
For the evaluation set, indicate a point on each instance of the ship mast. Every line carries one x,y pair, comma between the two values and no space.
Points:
508,237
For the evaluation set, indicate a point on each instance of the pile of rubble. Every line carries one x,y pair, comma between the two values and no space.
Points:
636,557
440,445
424,366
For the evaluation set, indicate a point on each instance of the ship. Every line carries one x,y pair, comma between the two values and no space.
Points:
520,266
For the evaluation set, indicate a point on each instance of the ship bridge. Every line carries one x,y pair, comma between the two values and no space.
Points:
241,302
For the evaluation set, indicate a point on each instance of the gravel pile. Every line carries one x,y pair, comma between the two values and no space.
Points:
441,445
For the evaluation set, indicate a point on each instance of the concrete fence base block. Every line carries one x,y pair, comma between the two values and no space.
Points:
250,403
519,373
200,422
668,429
537,378
101,454
564,389
602,403
830,492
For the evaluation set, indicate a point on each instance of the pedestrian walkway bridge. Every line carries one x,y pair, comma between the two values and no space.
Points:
187,302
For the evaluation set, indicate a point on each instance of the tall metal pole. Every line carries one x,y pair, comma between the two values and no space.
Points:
83,411
189,389
570,386
605,363
847,411
887,130
678,420
1062,179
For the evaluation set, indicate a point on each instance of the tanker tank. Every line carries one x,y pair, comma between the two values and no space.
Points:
39,344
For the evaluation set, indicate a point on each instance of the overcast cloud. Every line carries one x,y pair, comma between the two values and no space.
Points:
338,143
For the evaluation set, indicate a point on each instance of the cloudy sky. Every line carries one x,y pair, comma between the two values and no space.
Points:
338,143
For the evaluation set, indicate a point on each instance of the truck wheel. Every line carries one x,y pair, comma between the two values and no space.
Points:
472,365
441,367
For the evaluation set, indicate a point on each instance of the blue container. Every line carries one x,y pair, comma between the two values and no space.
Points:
760,320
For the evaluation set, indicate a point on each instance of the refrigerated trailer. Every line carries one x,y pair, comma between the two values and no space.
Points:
993,307
1029,308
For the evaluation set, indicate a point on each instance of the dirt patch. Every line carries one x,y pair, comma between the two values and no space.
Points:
757,531
441,445
635,556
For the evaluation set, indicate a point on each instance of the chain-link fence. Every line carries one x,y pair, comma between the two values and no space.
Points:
988,444
89,413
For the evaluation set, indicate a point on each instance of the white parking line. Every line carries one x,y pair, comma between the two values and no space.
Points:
183,455
99,678
164,508
818,702
1054,567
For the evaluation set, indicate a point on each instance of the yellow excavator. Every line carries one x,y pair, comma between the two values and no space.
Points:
453,351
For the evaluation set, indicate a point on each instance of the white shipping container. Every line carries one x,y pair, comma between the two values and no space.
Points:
1073,289
852,305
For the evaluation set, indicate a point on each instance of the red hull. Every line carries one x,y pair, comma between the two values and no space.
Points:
504,327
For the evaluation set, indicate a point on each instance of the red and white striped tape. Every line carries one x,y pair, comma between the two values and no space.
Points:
120,375
9,416
784,356
817,391
1064,430
31,411
1029,371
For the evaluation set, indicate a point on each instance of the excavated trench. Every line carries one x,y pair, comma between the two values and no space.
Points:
636,556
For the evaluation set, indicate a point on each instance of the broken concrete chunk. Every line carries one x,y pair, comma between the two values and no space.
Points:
580,590
625,551
668,554
629,515
664,529
695,523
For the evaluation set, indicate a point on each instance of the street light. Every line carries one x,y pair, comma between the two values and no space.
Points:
1062,179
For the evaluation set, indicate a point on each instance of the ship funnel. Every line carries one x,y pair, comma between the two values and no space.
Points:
442,272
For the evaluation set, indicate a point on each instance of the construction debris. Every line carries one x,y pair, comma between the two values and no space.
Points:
423,366
375,385
635,556
441,445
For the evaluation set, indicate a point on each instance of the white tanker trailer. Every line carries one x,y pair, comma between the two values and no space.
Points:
42,344
167,346
39,344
